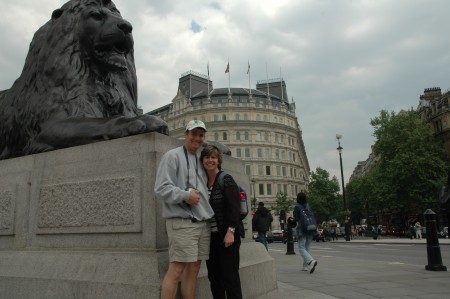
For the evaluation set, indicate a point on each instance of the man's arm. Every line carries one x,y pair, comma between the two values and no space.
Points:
166,182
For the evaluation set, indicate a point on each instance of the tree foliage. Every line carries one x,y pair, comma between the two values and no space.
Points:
323,195
282,203
411,167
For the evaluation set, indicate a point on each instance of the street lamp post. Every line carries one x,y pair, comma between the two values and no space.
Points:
346,212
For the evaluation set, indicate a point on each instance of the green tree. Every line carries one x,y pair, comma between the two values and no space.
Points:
282,203
323,195
412,165
364,196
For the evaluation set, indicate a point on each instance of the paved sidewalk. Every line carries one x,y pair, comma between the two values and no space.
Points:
363,279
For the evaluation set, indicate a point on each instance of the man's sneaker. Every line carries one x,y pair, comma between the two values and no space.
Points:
312,266
305,269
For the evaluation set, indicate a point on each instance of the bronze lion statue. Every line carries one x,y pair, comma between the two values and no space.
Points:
78,84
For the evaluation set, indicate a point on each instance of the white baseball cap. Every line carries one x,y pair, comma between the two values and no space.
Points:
195,124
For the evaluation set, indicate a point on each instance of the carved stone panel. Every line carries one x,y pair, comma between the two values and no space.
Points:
7,200
101,205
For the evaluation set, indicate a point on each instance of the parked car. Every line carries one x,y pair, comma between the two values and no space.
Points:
340,232
277,235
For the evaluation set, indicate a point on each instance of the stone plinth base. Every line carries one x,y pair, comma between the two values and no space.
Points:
83,222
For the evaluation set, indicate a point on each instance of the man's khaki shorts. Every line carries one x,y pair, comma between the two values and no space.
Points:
188,241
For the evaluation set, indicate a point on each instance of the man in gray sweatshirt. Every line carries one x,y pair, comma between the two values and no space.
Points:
181,184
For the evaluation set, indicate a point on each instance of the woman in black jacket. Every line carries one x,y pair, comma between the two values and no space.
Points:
223,263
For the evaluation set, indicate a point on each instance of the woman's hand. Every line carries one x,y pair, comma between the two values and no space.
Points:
229,238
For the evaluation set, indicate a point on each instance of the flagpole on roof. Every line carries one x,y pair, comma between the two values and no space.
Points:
207,67
281,83
228,71
248,72
267,82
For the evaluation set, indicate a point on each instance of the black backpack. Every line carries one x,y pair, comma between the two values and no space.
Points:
243,195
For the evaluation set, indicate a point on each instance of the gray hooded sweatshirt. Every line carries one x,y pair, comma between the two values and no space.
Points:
172,181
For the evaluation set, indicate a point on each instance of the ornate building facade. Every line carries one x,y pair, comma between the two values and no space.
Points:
434,108
258,125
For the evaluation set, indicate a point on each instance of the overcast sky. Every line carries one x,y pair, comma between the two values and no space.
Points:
342,61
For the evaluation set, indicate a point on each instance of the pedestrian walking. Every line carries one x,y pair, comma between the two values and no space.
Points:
261,223
304,237
418,228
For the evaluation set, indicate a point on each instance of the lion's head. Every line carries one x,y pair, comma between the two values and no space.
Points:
80,65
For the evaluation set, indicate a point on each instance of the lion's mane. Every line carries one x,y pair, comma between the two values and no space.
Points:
62,79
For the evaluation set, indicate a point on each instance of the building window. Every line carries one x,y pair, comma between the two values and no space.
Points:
279,173
258,136
266,118
261,189
269,189
203,119
259,152
260,170
247,152
258,117
216,136
246,136
224,135
248,169
279,188
238,152
284,170
268,153
216,117
267,170
236,116
238,135
283,155
277,154
266,136
245,116
224,117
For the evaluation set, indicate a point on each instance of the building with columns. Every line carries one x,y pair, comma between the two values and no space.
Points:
258,125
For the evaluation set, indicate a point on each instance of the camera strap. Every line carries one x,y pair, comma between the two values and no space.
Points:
193,219
188,168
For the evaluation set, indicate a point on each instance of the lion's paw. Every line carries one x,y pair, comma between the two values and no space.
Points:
155,124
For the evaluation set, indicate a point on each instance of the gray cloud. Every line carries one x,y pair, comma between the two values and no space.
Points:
343,61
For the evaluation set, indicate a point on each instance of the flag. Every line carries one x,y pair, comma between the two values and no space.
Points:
207,66
248,70
228,68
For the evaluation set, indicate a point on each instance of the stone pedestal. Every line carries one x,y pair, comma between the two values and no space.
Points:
83,222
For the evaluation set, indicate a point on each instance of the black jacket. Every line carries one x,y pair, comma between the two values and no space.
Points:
226,204
262,220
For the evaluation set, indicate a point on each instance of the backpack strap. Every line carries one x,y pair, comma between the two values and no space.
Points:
220,179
